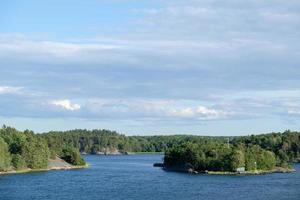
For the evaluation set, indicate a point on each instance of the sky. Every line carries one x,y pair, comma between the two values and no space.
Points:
206,67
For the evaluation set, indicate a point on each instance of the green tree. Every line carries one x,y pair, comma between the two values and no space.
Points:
250,160
5,158
36,153
236,160
269,161
72,156
282,159
18,162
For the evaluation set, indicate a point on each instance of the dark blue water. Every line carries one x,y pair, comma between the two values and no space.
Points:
133,177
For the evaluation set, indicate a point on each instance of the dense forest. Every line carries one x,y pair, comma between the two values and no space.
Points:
26,149
93,141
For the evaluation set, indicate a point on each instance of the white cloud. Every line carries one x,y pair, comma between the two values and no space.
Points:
9,89
204,33
294,112
291,107
199,112
59,49
186,112
141,52
66,104
153,108
206,111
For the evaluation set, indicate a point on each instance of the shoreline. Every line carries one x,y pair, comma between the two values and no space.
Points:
254,172
121,154
23,171
226,173
257,172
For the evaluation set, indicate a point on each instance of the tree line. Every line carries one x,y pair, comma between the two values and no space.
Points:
286,145
29,150
93,141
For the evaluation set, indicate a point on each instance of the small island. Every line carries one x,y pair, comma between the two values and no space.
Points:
217,157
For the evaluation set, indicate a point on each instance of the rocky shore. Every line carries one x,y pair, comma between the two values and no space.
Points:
59,164
53,164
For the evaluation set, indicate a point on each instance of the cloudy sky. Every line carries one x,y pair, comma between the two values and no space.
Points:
206,67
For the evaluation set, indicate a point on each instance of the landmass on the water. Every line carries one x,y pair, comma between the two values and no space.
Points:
240,157
23,150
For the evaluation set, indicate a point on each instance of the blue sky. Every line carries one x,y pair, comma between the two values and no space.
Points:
151,67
